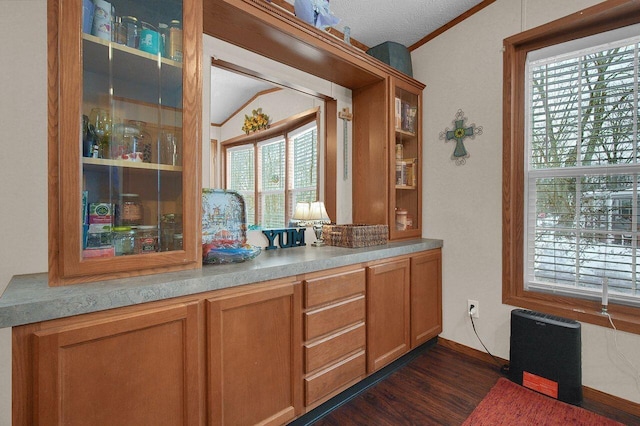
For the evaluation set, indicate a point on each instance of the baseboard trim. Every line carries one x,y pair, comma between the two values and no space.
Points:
593,394
355,390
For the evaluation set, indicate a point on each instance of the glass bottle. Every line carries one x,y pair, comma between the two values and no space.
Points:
175,41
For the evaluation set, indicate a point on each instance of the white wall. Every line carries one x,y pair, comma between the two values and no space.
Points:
23,162
462,69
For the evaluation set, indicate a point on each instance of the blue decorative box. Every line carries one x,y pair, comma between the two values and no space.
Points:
394,54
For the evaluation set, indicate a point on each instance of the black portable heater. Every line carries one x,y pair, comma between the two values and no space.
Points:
545,355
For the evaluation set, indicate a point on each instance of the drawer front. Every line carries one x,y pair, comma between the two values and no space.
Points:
322,352
329,318
333,378
327,289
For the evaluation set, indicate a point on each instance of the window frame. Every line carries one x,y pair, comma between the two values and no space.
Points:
602,17
280,130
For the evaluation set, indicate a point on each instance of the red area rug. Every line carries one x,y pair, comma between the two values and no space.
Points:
508,403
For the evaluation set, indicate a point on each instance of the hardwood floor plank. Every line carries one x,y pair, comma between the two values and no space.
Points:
439,387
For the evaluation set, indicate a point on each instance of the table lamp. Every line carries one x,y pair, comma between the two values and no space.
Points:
318,216
314,214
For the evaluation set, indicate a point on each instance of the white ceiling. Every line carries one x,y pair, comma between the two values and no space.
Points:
371,22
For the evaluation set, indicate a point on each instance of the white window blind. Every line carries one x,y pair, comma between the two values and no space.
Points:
241,177
303,165
271,183
285,169
582,171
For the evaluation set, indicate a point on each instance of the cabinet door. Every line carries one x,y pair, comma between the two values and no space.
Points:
405,198
426,296
137,369
124,118
387,313
255,371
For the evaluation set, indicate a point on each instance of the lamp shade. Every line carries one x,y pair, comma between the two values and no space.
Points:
302,211
317,212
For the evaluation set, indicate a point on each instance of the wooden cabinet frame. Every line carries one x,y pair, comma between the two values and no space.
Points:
64,103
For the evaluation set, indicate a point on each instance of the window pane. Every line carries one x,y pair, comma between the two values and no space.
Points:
582,207
554,114
305,164
241,177
272,183
273,210
607,104
272,165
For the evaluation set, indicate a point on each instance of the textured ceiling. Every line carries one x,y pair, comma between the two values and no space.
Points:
403,21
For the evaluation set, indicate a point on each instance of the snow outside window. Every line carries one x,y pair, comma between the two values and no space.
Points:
582,168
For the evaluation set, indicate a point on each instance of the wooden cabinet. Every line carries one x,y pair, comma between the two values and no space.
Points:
138,366
334,333
256,354
124,121
388,312
405,156
426,296
387,175
254,372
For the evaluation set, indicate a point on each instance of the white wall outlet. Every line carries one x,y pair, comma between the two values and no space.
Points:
475,311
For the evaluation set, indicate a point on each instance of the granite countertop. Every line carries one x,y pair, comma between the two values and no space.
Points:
28,298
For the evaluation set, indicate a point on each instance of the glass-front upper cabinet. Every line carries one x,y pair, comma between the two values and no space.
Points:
406,193
128,117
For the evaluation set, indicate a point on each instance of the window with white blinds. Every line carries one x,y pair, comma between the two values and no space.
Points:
241,176
303,166
581,174
286,168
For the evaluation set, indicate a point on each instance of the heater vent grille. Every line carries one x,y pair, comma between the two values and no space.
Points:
545,353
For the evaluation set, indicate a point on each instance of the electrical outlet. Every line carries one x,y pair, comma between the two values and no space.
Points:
475,311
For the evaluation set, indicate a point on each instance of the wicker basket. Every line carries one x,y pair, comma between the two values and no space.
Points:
353,236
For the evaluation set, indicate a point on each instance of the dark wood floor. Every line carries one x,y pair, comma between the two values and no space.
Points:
439,387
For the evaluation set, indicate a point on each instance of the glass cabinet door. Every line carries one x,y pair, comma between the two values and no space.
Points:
405,200
126,209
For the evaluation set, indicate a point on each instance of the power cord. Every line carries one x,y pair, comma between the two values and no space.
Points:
504,368
620,354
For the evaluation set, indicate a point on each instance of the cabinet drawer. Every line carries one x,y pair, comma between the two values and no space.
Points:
325,320
331,379
333,347
327,289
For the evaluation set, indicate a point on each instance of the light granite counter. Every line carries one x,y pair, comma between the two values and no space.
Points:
28,298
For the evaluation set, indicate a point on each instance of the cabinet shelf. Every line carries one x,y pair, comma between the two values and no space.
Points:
401,132
133,64
97,163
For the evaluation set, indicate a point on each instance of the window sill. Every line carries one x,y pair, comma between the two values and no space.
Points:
624,318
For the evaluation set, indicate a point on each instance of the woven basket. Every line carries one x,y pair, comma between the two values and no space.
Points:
353,236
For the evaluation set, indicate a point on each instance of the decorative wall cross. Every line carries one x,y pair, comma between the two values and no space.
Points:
459,134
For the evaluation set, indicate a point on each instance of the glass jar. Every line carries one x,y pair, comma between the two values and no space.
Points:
177,242
124,240
163,30
168,227
401,219
132,29
131,212
119,31
146,239
143,140
175,41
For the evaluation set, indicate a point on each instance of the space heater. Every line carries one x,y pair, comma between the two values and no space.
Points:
545,355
